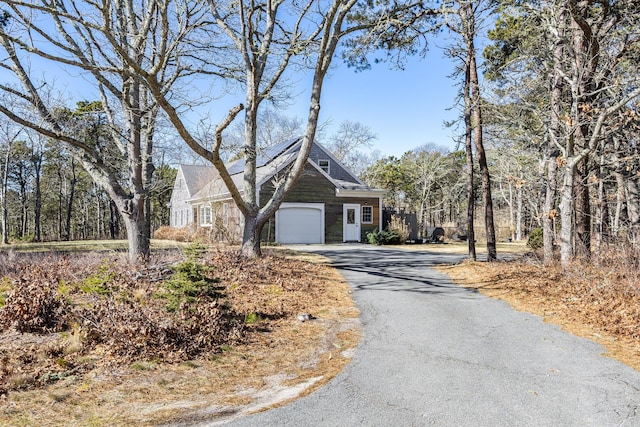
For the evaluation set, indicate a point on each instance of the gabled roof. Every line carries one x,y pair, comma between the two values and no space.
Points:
265,156
197,176
269,163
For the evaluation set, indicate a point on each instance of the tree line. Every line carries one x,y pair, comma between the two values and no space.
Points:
46,195
559,81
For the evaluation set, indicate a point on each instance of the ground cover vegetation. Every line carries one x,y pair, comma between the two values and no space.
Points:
69,320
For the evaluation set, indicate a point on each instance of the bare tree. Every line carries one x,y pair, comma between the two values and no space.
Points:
9,135
351,144
273,128
260,42
107,43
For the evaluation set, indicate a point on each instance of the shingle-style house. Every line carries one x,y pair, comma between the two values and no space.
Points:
189,180
327,204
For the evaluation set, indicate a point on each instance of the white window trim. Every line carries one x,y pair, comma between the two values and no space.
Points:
328,171
370,214
205,211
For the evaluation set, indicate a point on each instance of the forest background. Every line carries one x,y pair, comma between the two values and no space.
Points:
559,123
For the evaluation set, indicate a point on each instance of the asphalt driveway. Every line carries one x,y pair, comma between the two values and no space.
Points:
437,354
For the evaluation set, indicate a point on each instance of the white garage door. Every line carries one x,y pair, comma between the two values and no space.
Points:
300,223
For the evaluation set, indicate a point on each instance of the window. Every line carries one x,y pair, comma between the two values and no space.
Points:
225,213
205,215
181,223
367,214
324,165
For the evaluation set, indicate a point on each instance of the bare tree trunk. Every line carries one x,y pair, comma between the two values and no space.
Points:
512,213
519,213
549,213
251,238
620,202
137,234
3,196
602,225
472,91
69,206
566,215
583,211
24,207
633,208
468,143
36,160
114,220
482,161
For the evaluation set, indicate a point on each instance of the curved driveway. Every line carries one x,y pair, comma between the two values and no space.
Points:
437,354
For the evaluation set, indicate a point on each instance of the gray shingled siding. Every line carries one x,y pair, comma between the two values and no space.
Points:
335,171
312,187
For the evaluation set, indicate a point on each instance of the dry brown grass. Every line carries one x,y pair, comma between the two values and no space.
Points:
278,358
599,300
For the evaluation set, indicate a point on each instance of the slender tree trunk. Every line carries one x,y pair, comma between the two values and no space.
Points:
602,225
24,209
620,202
549,213
512,213
489,226
3,196
469,159
633,208
519,213
583,211
37,203
566,215
69,207
114,220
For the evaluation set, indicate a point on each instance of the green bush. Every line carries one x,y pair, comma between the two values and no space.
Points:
536,239
384,237
101,282
189,283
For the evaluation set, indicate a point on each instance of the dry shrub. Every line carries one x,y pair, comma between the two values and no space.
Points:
400,227
130,331
115,314
170,233
33,303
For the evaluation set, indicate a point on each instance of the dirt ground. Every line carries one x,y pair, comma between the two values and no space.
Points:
292,357
284,359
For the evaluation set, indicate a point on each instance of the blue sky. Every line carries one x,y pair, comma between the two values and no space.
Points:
404,108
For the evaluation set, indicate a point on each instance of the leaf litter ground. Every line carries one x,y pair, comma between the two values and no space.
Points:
146,369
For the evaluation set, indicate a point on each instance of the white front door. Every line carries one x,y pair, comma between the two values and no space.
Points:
351,223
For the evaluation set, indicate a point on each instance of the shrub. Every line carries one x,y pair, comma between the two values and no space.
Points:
33,303
399,227
169,233
384,237
189,282
536,239
101,282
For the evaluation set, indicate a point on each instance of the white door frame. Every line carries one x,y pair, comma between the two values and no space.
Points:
351,229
